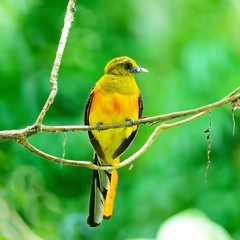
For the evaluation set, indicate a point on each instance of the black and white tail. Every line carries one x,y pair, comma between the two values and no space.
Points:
103,192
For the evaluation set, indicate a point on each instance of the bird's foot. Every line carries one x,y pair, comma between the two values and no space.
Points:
132,122
98,126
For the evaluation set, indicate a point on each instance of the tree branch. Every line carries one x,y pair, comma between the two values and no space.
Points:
199,112
68,20
127,161
21,135
149,120
34,129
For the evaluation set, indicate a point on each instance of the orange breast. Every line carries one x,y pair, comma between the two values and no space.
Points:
110,108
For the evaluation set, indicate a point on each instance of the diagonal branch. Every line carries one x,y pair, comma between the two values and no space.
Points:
154,135
149,120
127,161
68,20
21,135
34,129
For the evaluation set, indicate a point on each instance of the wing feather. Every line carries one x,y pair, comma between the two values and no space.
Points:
94,142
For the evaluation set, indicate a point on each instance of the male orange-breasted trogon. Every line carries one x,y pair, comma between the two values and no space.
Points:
115,98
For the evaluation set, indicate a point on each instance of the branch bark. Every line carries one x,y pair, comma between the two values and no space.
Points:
21,135
68,20
36,128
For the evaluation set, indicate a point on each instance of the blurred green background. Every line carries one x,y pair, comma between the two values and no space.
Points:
192,51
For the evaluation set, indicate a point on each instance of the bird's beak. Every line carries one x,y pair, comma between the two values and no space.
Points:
138,70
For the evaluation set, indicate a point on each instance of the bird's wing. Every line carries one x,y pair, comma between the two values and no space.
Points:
94,142
140,102
88,105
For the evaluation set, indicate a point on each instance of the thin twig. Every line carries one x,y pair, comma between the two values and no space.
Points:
155,119
68,20
127,161
235,105
233,93
21,135
31,130
34,129
154,135
64,144
209,139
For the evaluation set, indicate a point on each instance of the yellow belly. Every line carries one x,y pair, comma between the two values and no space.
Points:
109,109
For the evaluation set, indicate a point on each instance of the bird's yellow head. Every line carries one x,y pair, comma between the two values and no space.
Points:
123,66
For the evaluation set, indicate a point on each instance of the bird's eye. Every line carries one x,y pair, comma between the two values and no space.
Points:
128,66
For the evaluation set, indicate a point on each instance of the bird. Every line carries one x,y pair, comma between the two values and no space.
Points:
115,98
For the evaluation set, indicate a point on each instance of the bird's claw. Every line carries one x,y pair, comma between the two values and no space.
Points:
98,126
